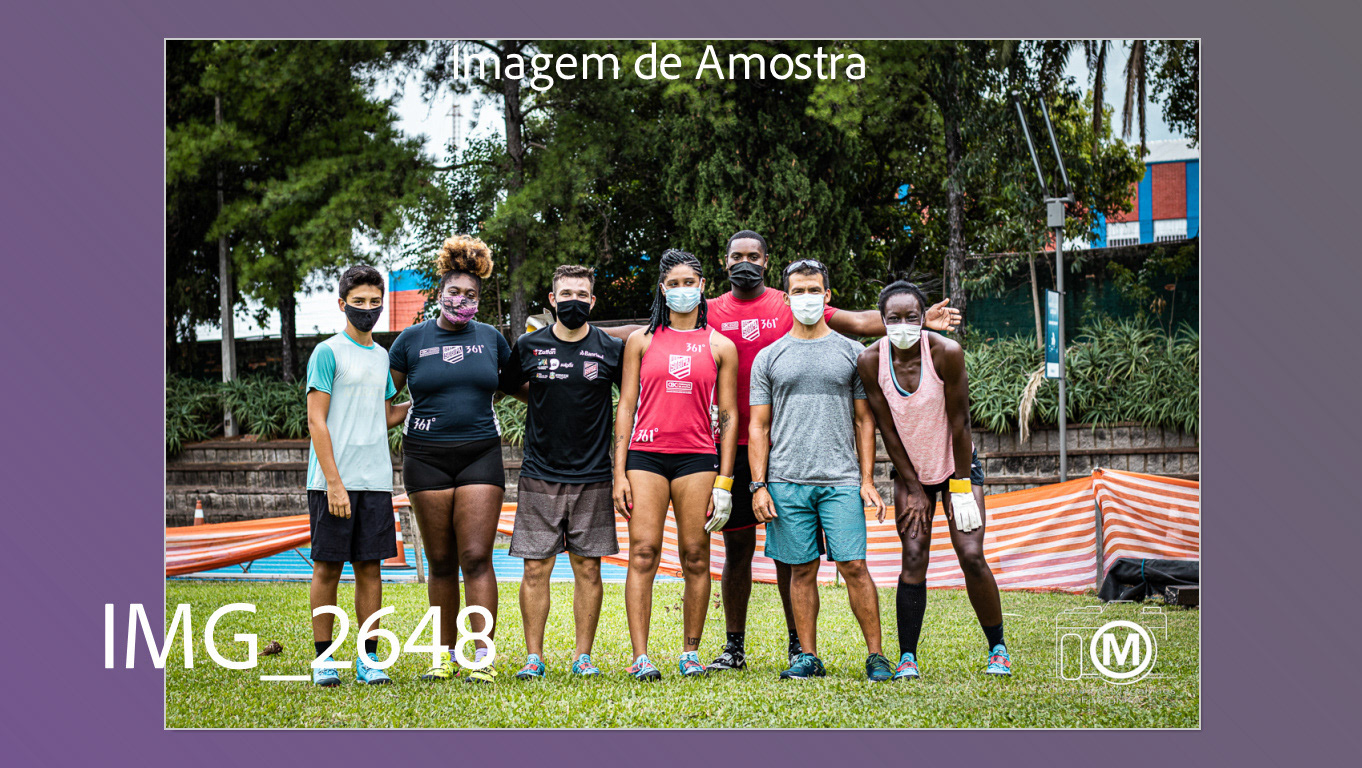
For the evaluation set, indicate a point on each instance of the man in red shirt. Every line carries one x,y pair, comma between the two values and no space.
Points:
753,316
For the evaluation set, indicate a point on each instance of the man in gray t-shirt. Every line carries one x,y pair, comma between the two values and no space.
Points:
811,420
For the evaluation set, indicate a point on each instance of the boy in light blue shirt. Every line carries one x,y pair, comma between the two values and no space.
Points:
349,467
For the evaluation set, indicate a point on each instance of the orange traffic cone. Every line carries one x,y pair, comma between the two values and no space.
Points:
198,512
398,560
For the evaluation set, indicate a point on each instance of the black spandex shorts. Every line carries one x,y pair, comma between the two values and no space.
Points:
431,466
976,474
672,465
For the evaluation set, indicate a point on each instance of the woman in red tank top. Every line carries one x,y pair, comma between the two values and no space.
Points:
677,371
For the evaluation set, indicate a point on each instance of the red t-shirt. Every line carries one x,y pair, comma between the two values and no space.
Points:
752,326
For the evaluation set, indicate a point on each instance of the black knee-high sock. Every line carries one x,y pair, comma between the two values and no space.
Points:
911,603
993,634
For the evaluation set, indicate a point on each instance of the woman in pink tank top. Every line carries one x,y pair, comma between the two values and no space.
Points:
676,372
919,392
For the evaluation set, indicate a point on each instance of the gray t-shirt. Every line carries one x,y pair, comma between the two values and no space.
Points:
810,385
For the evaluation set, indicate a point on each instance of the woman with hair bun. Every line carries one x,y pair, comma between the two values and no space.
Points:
677,371
451,449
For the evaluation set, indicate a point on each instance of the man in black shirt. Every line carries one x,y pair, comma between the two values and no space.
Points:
565,373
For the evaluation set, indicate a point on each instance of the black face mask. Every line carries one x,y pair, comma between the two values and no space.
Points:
363,319
572,313
745,275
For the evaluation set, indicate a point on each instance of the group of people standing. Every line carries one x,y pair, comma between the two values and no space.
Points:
755,408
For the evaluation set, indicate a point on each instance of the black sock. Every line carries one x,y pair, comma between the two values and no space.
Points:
994,634
371,645
794,640
736,639
321,646
911,603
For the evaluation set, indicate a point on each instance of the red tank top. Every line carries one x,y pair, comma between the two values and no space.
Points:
677,381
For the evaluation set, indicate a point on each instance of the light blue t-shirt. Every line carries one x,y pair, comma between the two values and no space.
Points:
360,385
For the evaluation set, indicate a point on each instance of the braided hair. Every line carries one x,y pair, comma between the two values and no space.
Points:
661,316
900,287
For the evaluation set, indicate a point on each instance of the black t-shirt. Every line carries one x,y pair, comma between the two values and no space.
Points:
452,376
567,430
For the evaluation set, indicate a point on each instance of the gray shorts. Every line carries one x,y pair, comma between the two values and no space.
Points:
561,517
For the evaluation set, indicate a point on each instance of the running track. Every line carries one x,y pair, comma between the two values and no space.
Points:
292,566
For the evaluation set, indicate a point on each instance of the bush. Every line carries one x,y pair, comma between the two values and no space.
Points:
1118,370
193,412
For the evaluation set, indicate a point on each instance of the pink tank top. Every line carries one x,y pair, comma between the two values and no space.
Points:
920,418
677,381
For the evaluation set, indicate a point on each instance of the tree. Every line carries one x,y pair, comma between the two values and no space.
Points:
310,160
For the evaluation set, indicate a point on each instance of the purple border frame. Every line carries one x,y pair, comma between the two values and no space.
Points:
82,185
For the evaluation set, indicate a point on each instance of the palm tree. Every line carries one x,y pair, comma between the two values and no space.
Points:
1136,84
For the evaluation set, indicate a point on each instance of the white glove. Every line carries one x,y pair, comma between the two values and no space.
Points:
723,507
965,511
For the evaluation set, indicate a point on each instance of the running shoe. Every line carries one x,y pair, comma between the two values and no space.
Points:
643,669
907,669
370,675
444,670
999,663
533,669
583,667
806,665
690,665
487,674
731,658
878,669
325,676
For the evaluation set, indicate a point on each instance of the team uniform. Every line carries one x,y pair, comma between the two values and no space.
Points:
813,474
564,502
451,437
358,380
752,326
673,432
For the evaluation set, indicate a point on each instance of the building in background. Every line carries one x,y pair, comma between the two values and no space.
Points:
1165,204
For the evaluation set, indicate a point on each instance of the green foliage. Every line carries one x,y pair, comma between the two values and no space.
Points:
264,407
1126,370
1138,285
193,412
510,414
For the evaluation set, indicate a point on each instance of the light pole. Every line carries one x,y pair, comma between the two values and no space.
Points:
1054,218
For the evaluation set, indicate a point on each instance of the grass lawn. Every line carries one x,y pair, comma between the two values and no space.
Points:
952,693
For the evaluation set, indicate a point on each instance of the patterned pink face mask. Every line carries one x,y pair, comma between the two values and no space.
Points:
458,309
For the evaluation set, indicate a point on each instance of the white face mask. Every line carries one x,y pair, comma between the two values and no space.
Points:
903,335
807,308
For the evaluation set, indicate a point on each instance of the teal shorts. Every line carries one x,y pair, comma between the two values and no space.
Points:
808,515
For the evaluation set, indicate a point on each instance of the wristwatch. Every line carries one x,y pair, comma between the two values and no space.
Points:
754,487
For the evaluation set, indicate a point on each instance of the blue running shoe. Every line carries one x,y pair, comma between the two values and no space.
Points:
877,669
690,665
583,666
370,675
907,669
533,669
805,665
999,662
643,669
327,678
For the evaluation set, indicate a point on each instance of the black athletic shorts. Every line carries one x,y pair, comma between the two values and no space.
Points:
672,465
431,466
742,516
976,473
368,533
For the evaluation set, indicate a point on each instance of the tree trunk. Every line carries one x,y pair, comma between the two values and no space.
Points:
516,240
288,336
225,296
955,204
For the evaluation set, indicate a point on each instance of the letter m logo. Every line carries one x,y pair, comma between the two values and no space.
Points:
1130,649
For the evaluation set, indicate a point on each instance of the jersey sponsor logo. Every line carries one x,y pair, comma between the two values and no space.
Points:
679,366
553,364
545,351
596,355
543,365
428,351
751,329
731,325
679,387
645,435
453,354
589,370
423,424
695,347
